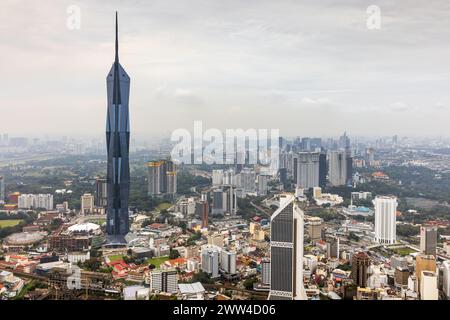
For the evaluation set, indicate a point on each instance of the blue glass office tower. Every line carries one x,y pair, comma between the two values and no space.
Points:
117,144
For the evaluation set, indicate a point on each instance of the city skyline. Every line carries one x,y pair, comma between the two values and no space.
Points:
318,63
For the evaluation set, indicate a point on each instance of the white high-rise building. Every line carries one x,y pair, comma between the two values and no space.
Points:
87,203
428,286
228,261
337,173
286,251
35,201
385,219
247,180
446,278
210,260
229,177
217,177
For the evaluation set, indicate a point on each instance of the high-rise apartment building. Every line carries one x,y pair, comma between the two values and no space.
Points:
224,201
262,184
228,262
101,190
35,201
307,171
246,180
337,168
360,266
323,170
164,281
428,240
385,219
210,260
202,210
286,251
265,272
162,178
118,146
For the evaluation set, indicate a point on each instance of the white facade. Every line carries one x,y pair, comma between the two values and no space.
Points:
428,286
446,278
210,260
34,201
385,219
87,203
217,177
228,261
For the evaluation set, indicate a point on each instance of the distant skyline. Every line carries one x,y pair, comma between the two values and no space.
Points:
307,68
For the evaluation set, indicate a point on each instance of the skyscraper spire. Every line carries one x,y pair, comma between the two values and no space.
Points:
117,143
117,39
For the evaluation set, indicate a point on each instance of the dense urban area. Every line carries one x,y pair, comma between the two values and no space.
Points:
368,219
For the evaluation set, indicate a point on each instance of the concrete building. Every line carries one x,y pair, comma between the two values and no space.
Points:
246,181
162,178
265,272
101,189
428,240
210,260
360,266
446,278
262,185
35,201
315,228
164,281
286,251
401,276
333,247
424,263
337,171
307,170
87,203
224,201
428,286
217,178
228,262
385,219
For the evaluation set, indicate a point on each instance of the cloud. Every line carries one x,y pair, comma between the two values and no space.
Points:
251,63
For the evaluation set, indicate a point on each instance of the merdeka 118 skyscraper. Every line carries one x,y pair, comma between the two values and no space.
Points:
118,145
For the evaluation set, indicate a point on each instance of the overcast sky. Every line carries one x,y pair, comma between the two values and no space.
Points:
305,67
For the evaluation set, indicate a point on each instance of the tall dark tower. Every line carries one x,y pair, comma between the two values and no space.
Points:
117,144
